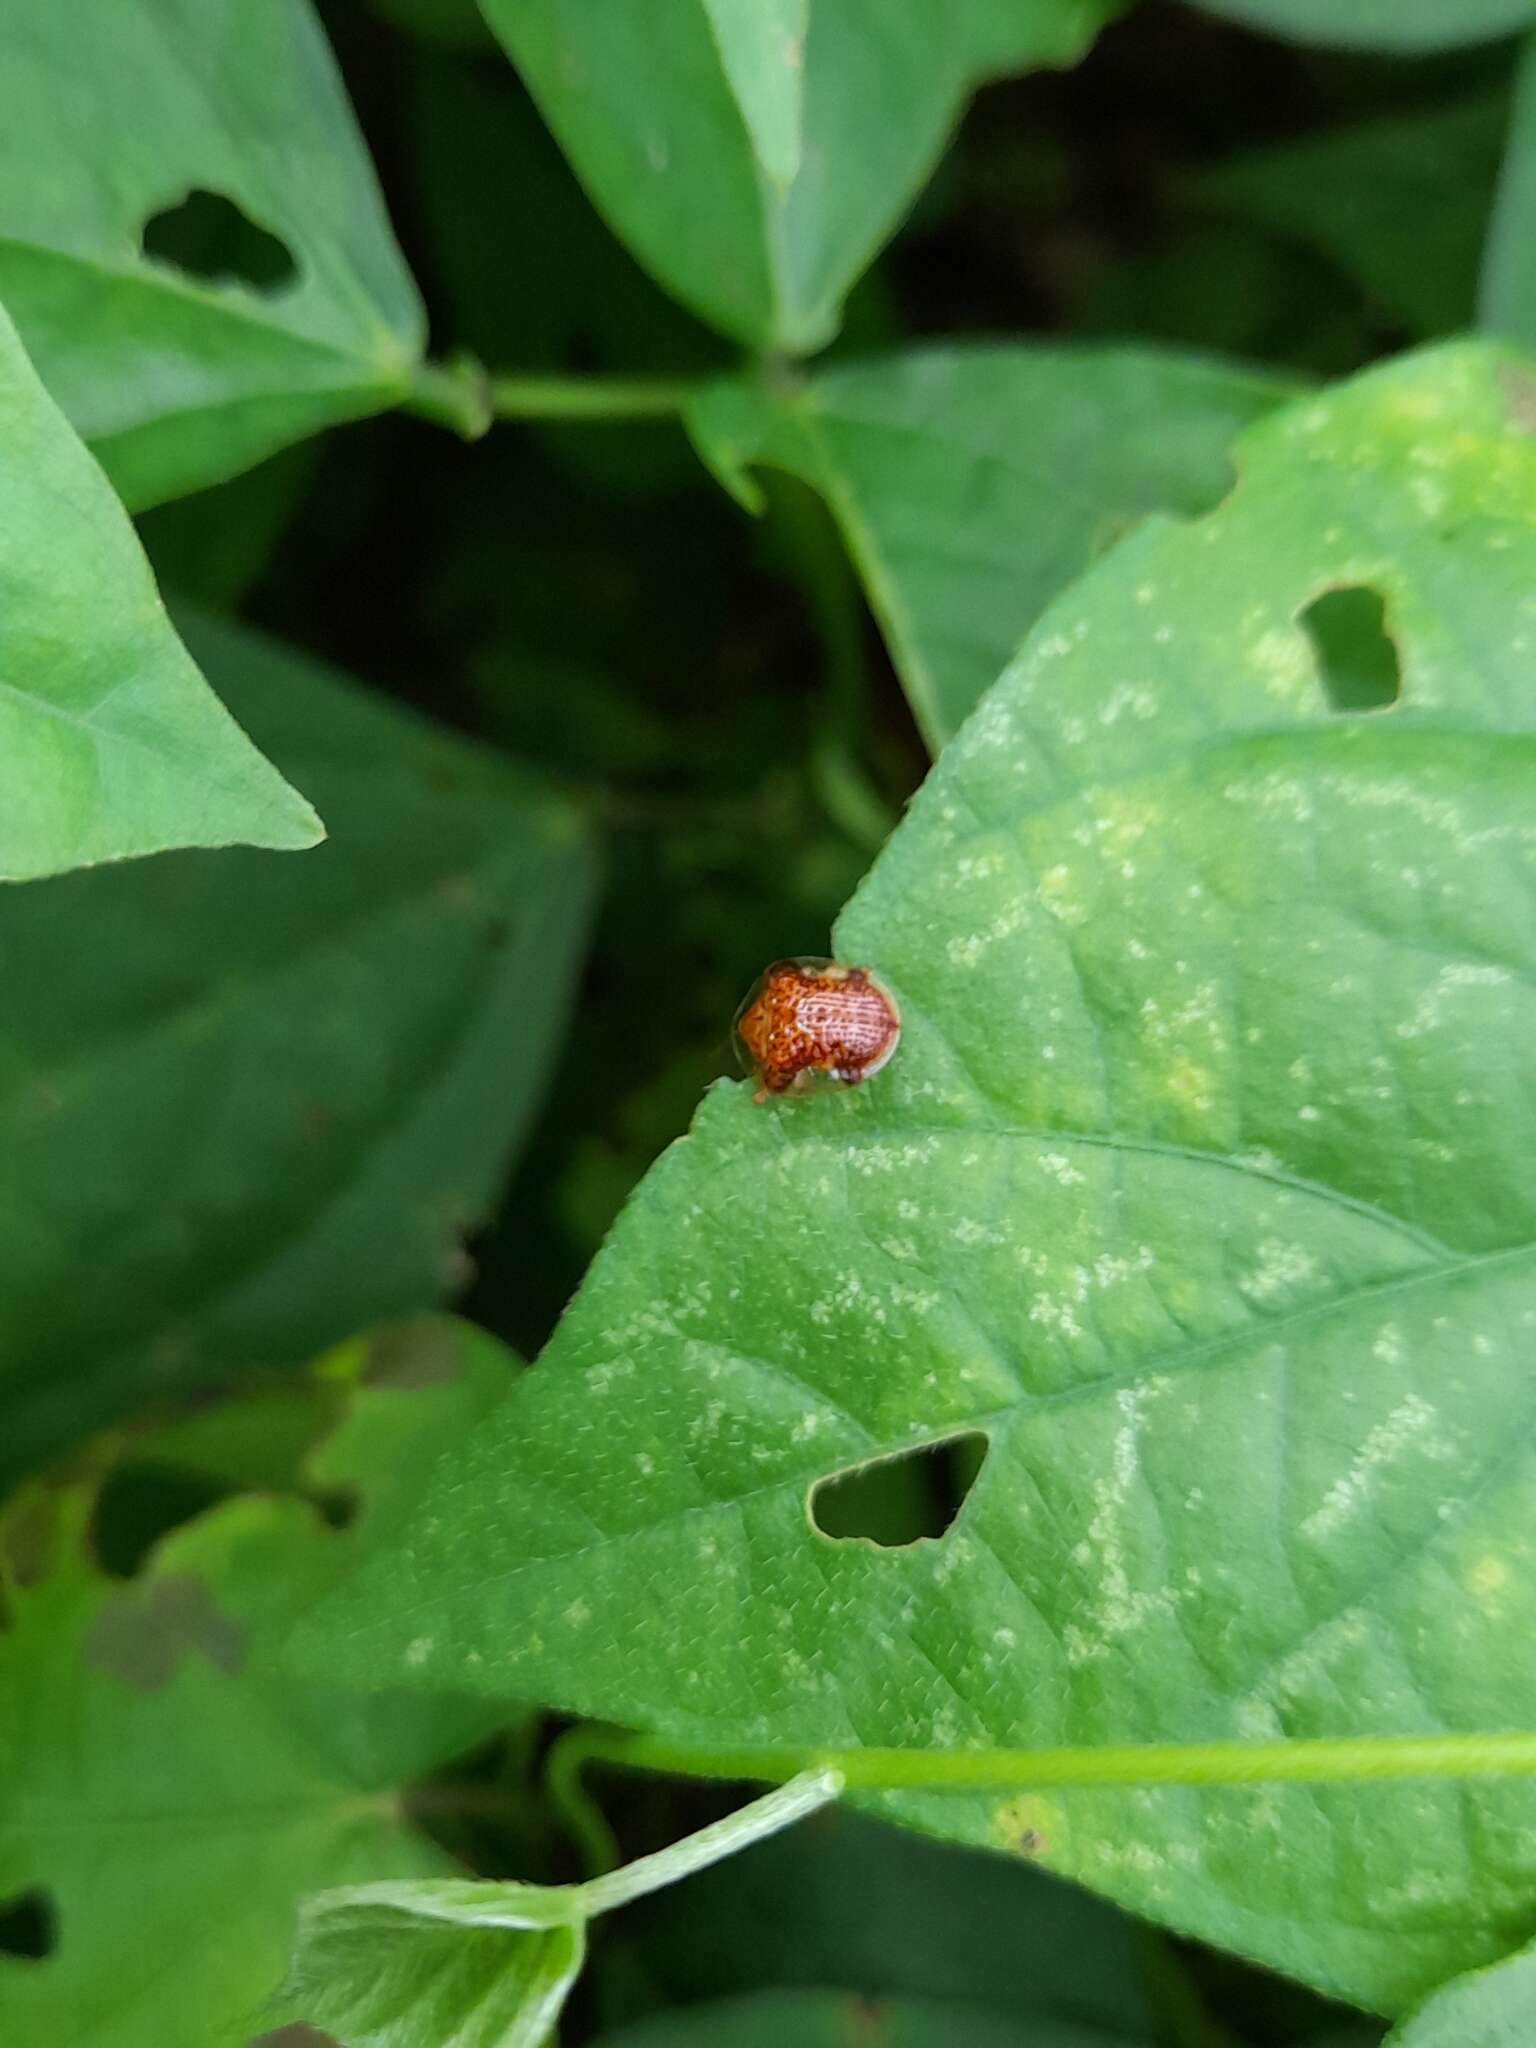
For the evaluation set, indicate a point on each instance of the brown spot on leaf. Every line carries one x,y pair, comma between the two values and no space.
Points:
142,1635
300,2035
27,1538
1519,388
421,1353
1024,1825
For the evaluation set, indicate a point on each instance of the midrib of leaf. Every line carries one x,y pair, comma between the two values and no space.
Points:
884,591
1188,1357
771,209
764,180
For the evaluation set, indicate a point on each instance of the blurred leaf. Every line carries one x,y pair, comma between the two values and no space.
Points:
458,23
1398,204
445,1965
1507,291
838,2019
1199,1184
168,1790
1221,286
1490,2009
221,131
887,1915
563,294
111,744
212,547
260,1107
1396,25
683,141
972,484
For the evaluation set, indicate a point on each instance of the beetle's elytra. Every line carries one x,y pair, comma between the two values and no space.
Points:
809,1017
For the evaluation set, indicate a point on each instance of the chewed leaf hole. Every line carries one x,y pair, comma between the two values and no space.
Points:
912,1497
1356,655
29,1925
211,239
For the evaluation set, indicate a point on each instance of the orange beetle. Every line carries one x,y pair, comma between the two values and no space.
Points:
809,1017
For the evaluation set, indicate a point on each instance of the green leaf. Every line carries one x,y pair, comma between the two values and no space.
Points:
450,1964
111,744
1407,25
1490,2009
972,484
773,148
1507,289
833,2019
166,1788
1199,1185
177,369
1398,204
457,23
444,1965
259,1107
213,547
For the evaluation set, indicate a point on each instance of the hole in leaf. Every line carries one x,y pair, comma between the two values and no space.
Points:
29,1925
912,1497
141,1503
1356,655
209,237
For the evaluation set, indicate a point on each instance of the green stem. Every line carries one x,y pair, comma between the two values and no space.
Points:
588,398
1342,1760
763,1817
578,1812
453,394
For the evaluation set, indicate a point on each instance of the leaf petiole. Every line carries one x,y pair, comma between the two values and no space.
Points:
1327,1760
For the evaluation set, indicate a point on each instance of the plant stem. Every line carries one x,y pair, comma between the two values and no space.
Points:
588,398
453,394
766,1816
576,1809
1341,1760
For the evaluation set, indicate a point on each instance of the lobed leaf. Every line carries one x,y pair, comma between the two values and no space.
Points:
179,373
111,743
1198,1185
755,157
971,484
245,1110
